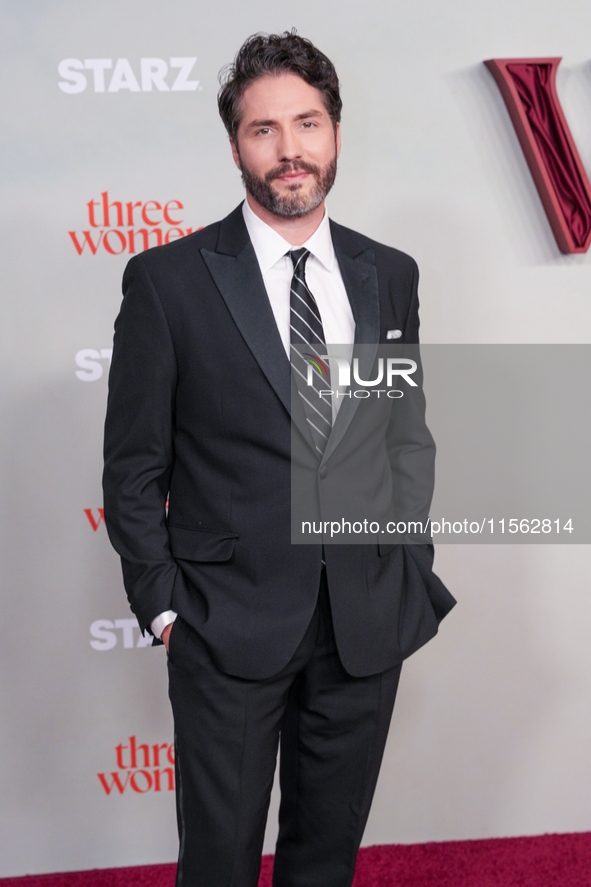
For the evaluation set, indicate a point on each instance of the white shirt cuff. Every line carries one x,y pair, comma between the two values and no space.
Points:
160,622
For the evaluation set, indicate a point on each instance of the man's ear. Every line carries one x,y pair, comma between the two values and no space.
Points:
337,136
235,154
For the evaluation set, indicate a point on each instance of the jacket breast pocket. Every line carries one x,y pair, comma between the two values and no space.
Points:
191,544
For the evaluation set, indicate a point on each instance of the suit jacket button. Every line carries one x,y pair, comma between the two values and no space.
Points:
323,472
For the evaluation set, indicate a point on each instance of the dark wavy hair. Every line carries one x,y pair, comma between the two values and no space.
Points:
263,54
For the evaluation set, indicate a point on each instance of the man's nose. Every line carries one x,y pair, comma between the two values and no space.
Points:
289,146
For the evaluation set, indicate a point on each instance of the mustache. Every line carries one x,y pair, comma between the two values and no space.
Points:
291,166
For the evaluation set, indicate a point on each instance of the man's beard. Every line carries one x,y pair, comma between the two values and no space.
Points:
293,204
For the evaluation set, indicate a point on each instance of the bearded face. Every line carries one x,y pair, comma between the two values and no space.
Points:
286,146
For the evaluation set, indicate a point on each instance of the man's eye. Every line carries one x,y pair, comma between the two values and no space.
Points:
263,131
308,124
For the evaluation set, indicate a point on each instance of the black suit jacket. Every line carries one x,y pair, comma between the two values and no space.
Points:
199,411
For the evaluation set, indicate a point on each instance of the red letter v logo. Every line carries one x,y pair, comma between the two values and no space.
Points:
528,87
95,522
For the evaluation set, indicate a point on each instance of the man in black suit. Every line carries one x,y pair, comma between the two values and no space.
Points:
266,640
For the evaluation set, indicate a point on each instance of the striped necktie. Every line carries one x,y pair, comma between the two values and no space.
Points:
307,334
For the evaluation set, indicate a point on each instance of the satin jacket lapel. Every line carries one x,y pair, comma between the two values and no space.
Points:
361,283
236,273
235,270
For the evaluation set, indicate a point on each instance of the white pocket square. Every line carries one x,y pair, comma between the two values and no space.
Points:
393,334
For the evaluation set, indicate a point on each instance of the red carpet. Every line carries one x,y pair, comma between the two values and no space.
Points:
545,861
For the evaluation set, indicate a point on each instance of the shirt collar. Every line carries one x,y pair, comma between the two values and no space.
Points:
270,246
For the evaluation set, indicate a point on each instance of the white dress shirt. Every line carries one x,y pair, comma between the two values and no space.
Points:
322,272
324,279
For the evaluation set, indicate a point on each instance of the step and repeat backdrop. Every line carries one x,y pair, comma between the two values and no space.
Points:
112,144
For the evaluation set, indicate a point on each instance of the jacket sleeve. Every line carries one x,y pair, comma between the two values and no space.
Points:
138,446
411,447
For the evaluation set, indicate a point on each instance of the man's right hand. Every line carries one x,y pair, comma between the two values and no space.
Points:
166,634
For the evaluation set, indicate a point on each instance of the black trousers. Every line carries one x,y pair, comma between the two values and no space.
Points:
333,729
